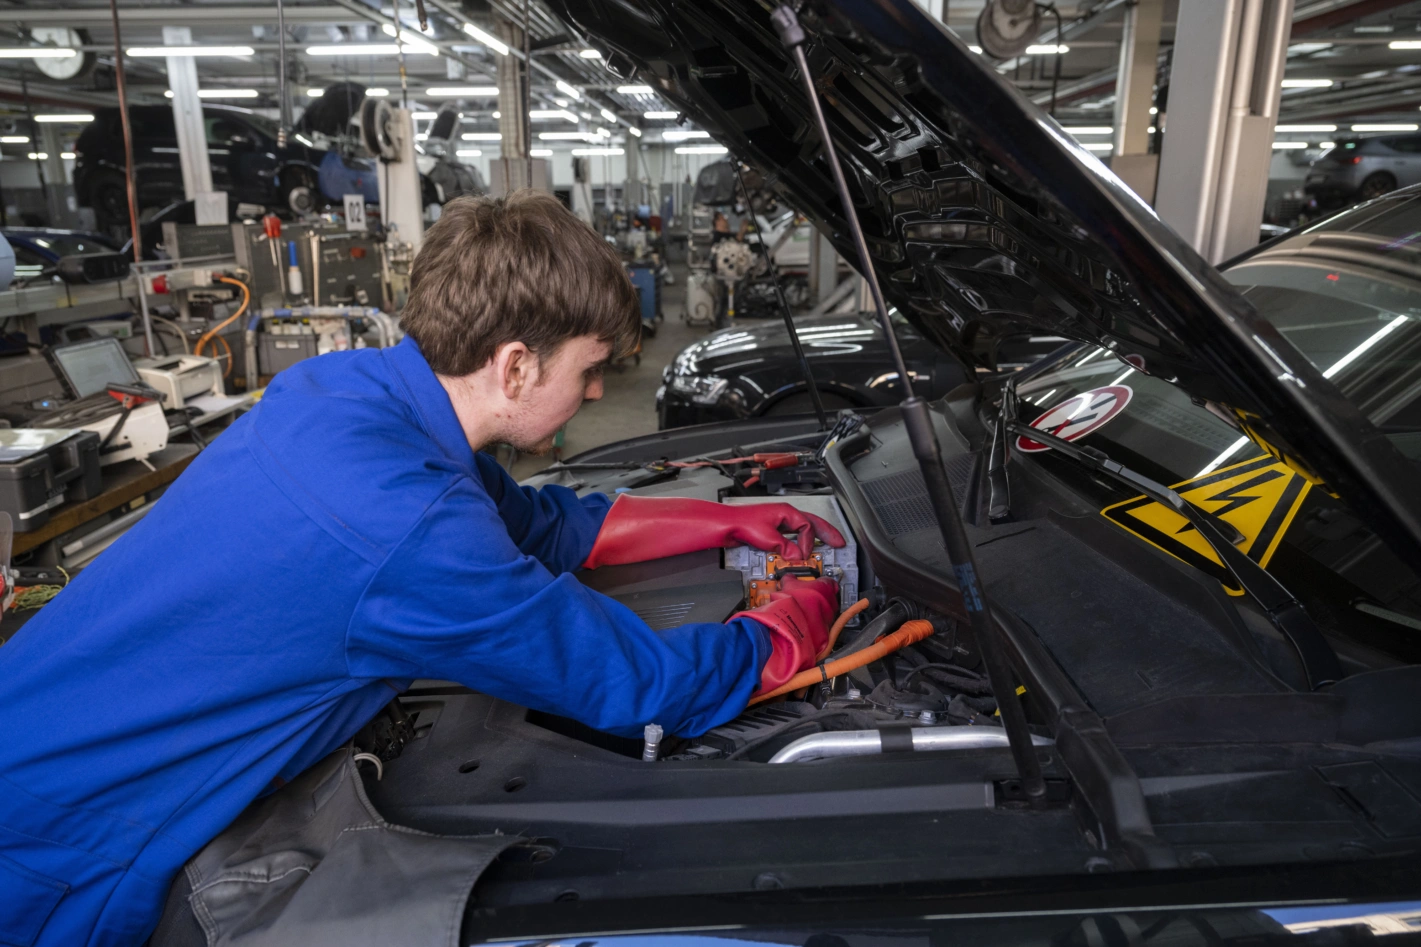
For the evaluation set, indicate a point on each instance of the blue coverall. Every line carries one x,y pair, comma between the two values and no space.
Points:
337,542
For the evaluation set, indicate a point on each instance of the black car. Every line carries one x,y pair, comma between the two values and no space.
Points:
751,370
1219,680
246,163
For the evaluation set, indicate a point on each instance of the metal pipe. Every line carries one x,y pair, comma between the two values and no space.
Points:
113,527
122,84
918,423
822,746
283,102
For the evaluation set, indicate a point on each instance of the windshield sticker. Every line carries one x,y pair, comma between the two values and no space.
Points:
1258,497
1077,416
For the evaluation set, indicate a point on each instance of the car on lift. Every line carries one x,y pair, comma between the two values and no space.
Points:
241,145
1359,169
1219,678
38,250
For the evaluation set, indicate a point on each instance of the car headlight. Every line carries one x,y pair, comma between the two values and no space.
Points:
700,389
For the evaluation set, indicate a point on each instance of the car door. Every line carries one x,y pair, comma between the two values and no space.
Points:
1408,165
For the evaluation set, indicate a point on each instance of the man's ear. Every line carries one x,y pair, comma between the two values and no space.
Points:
516,368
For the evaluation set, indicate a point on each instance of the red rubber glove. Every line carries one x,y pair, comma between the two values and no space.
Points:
798,618
641,528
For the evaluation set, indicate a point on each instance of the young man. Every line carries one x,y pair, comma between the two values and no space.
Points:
343,539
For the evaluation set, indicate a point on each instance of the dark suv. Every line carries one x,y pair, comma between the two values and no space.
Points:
1359,169
241,144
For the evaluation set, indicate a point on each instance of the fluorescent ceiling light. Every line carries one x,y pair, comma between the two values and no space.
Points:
67,155
1305,48
656,115
1327,145
1153,110
1047,49
1091,130
565,136
589,54
1303,129
596,152
463,91
1289,145
1384,128
14,139
609,116
377,93
702,150
412,39
540,152
545,115
568,90
357,49
634,130
1404,44
676,134
315,93
468,152
166,51
1101,146
37,52
482,136
487,39
222,93
421,136
635,89
1374,28
1307,83
37,155
494,114
424,116
75,118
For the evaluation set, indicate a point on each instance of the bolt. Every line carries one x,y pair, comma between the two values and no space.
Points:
651,742
853,693
927,716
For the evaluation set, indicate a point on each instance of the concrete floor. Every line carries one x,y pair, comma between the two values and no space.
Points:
628,406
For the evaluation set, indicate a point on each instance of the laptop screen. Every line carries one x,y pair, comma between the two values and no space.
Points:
91,366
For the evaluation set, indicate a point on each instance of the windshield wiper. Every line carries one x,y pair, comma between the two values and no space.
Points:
1320,664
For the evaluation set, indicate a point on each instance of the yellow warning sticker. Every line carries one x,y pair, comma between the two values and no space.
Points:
1258,497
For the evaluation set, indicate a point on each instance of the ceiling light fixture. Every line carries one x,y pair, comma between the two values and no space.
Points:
1101,146
657,115
65,118
67,155
675,134
38,155
1307,83
1384,128
1304,129
1327,145
1047,49
597,152
37,52
376,93
635,90
468,152
568,90
1289,145
164,52
14,139
634,130
463,91
547,115
1091,129
609,115
1404,44
482,136
358,49
488,39
424,116
412,38
565,136
540,152
702,150
315,93
589,54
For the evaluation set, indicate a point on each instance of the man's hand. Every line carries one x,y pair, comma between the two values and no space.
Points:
642,528
798,618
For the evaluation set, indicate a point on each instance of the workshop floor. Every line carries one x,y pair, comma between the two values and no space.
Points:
628,406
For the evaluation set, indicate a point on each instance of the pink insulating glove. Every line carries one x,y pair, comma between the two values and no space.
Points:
641,528
798,618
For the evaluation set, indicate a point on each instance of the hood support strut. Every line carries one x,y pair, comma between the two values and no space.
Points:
918,422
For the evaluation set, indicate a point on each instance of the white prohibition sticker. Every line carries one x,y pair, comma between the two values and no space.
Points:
1078,415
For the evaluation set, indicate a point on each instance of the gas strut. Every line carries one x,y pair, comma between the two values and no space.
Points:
917,419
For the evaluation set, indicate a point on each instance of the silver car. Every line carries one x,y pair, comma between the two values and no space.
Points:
1364,168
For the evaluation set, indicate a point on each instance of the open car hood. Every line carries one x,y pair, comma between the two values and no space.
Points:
983,215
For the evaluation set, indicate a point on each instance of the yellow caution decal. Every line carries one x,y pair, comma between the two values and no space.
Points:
1258,497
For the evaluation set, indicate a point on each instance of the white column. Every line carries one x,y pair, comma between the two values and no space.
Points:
187,115
1134,95
1223,103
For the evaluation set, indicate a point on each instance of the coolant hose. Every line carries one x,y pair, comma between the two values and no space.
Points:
910,633
839,624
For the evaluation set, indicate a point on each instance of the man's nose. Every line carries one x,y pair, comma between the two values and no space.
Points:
593,392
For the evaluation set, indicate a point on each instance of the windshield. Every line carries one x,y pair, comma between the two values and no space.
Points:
1347,294
72,244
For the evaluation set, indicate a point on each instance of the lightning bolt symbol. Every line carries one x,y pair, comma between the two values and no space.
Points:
1232,497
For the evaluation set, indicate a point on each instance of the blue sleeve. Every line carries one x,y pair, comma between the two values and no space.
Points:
551,524
468,605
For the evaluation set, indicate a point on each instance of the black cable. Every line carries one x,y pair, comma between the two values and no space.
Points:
970,685
784,305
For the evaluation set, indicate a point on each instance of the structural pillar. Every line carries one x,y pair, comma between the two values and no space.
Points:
1229,57
1134,95
823,267
191,129
58,191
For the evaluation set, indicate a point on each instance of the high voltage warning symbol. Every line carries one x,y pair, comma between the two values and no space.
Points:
1258,497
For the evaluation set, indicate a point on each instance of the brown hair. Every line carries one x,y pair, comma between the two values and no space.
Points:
515,269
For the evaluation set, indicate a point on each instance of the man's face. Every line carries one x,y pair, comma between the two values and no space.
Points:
572,375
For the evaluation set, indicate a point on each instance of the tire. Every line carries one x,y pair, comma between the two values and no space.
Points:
1376,185
300,195
801,403
110,201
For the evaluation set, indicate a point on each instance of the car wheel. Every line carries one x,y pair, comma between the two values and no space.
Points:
110,201
801,403
300,196
1376,185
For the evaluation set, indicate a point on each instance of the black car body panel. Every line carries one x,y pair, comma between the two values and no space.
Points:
981,213
847,354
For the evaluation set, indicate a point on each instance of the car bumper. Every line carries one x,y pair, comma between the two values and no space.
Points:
672,411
